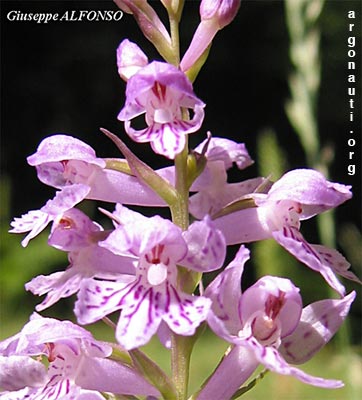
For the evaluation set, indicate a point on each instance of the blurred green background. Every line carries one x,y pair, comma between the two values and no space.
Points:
62,78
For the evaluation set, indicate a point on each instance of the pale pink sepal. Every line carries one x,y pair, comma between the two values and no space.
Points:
318,323
130,59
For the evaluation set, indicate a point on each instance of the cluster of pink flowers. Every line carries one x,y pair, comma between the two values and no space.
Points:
149,269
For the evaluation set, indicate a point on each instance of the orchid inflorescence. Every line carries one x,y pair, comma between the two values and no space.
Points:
149,270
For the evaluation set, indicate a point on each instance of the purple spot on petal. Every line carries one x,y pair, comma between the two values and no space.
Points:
306,334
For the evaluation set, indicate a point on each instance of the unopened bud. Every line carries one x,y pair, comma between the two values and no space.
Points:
215,15
174,8
223,11
150,25
196,163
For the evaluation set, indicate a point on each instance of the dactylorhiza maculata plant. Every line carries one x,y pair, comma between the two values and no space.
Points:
149,270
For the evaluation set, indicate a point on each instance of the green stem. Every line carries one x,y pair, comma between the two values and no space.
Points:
175,39
180,361
181,346
180,211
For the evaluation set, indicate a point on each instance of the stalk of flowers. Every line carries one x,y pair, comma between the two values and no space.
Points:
149,270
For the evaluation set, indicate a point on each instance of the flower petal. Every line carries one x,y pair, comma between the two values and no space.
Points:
225,292
57,285
160,90
130,59
318,323
289,308
226,150
17,372
63,147
35,221
311,189
96,299
167,139
72,231
185,312
138,235
140,318
271,359
206,246
243,226
336,261
66,199
293,241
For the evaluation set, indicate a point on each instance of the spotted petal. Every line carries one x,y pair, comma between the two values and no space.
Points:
17,372
36,221
311,189
318,323
225,292
184,313
137,234
167,139
272,360
57,285
293,241
227,151
96,299
206,246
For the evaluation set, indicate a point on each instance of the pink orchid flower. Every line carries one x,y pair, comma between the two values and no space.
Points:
267,324
161,91
152,295
77,369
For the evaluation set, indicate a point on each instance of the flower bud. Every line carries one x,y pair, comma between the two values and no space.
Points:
150,24
174,8
215,15
223,11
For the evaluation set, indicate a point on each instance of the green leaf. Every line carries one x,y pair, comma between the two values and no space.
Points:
154,374
143,172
